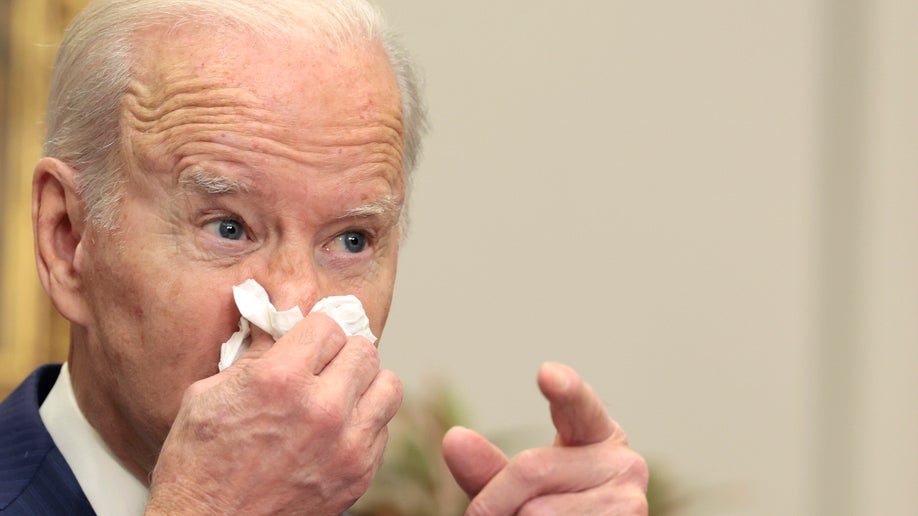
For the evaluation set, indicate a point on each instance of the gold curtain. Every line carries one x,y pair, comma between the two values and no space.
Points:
31,332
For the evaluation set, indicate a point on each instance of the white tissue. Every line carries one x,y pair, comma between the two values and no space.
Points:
256,308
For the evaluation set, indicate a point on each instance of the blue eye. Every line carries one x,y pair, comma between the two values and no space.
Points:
353,241
231,229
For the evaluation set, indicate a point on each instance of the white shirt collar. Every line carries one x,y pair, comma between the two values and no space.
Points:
110,488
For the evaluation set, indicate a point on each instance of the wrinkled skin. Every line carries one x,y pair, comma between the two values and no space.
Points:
242,161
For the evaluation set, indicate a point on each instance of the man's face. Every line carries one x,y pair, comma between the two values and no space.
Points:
242,161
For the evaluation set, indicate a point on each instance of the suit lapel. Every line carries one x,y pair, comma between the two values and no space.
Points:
34,477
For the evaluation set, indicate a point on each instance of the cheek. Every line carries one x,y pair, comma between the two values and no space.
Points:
187,318
167,319
377,300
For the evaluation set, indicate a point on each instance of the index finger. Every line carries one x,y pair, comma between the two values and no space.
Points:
576,410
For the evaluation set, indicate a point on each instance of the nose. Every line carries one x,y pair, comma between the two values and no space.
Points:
291,279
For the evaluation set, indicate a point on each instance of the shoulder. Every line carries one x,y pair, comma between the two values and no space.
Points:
34,477
22,432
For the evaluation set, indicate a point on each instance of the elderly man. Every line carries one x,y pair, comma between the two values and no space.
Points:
192,145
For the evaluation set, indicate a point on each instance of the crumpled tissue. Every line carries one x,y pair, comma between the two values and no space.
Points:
256,308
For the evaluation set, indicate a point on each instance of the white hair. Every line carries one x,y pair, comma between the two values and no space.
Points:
93,70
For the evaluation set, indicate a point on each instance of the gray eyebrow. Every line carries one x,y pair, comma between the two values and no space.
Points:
385,205
207,182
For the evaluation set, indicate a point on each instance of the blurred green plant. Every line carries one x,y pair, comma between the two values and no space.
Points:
413,479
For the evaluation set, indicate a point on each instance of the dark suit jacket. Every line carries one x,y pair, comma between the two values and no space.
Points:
34,477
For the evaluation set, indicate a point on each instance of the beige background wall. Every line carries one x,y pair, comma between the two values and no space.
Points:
709,208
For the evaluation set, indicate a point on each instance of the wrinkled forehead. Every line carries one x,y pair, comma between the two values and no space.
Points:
240,98
282,72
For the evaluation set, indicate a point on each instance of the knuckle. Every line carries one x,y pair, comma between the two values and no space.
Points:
357,464
393,384
281,377
531,467
194,391
272,381
633,504
359,486
353,459
365,351
323,327
633,468
263,381
326,413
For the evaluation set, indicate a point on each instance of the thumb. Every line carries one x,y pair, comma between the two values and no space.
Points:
472,459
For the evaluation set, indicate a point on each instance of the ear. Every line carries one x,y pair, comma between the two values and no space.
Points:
57,222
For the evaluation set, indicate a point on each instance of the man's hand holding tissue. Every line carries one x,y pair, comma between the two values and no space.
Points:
293,426
588,470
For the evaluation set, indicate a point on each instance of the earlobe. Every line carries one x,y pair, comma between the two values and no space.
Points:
57,222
